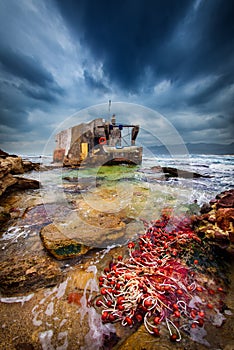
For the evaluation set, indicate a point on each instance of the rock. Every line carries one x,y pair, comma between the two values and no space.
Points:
59,245
3,153
225,199
12,165
4,215
25,184
6,182
205,208
216,220
24,346
16,165
93,225
29,166
225,218
231,237
5,167
174,172
19,275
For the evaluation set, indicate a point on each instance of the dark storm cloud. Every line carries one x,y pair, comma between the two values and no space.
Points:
48,95
215,29
126,36
25,67
28,68
135,37
176,57
9,111
29,82
208,93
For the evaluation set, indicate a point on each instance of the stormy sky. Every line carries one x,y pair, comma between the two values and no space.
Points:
58,57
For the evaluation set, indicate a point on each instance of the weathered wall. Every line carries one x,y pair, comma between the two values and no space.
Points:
78,130
69,143
63,139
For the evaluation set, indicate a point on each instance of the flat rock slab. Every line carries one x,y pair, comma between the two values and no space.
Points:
60,246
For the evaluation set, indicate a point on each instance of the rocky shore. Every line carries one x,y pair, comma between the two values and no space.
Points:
10,167
55,289
216,221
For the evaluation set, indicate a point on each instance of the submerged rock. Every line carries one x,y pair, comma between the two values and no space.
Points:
174,172
19,275
59,245
165,173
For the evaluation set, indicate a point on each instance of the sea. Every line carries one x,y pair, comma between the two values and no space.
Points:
137,192
217,173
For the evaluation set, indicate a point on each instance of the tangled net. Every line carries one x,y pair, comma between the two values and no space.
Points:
154,286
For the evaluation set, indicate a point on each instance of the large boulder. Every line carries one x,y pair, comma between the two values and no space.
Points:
6,181
16,164
13,165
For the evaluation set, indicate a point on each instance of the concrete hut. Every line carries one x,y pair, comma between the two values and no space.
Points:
96,143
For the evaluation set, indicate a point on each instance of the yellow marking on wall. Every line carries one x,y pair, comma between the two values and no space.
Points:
84,150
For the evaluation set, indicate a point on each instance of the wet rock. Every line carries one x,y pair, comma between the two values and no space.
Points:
205,208
93,224
225,199
75,185
216,221
24,346
59,245
225,218
174,172
3,154
29,166
12,165
19,275
4,215
70,179
6,178
6,182
37,216
25,184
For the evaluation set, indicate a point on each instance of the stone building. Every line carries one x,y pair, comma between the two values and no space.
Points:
96,143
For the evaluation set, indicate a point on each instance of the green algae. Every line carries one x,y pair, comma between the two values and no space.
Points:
69,249
114,172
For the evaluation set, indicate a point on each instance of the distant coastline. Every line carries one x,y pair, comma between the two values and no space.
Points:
198,148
